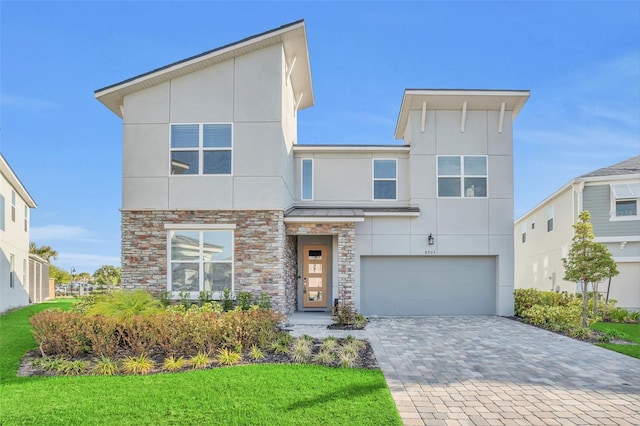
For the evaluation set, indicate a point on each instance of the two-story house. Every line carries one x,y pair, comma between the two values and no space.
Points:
217,192
544,234
23,277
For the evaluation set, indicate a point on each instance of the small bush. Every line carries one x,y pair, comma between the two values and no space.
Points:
125,304
73,368
329,344
174,364
227,300
244,300
105,366
140,364
200,360
347,315
264,302
256,354
228,357
302,350
324,357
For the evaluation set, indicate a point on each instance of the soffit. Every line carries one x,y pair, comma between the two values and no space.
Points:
291,36
449,99
15,183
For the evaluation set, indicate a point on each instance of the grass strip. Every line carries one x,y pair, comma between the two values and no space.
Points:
245,395
631,333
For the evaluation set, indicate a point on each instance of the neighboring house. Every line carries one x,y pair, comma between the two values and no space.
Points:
217,192
15,205
544,234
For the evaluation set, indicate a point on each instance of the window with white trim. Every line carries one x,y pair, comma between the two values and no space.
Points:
200,260
24,272
26,218
523,230
2,213
624,201
13,205
307,179
385,179
550,218
12,270
462,176
533,222
201,149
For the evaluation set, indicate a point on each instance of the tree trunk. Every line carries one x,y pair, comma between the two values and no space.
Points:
595,298
584,304
606,300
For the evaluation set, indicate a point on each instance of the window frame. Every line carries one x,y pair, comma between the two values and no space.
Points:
374,179
523,231
613,214
26,218
215,295
12,270
302,197
2,213
550,216
201,149
462,176
13,206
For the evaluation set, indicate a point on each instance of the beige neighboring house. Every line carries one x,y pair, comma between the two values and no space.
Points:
543,236
24,278
218,193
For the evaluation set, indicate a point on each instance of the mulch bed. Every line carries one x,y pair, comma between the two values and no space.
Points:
365,360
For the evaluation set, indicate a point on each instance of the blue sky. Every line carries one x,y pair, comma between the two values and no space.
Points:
581,61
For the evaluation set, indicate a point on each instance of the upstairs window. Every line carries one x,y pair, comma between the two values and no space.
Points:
624,201
523,229
550,218
307,179
385,181
533,222
13,205
462,176
26,218
201,149
2,213
12,270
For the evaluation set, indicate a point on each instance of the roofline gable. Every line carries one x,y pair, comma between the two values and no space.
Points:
292,36
15,182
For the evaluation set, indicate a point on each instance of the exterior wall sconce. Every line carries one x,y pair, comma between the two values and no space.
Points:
431,240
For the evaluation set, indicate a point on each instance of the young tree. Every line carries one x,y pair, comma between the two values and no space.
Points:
45,252
107,275
60,276
588,261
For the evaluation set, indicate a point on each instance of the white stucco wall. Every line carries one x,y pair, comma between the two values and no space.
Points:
13,241
246,91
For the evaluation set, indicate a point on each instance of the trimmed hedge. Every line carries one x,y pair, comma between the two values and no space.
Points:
168,333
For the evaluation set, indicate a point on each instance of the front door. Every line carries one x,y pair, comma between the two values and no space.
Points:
314,276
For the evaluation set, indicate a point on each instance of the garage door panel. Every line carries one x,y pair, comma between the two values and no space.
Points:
428,286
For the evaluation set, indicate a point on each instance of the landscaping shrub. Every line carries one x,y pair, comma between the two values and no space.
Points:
125,304
166,333
347,315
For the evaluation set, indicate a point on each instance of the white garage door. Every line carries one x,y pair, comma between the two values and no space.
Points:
441,285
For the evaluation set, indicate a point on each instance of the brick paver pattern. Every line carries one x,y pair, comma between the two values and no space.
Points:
483,370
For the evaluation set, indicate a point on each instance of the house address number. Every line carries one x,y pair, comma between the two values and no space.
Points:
429,252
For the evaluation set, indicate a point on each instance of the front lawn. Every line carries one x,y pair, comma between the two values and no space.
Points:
630,332
244,395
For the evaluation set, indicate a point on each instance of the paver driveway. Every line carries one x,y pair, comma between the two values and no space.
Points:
476,370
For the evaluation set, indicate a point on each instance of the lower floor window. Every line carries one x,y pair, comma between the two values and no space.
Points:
201,261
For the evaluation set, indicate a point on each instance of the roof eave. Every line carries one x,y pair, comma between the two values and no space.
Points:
15,182
518,98
112,96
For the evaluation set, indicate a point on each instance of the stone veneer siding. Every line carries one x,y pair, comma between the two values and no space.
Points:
264,257
346,251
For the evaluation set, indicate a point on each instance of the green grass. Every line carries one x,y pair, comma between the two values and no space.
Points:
631,333
244,395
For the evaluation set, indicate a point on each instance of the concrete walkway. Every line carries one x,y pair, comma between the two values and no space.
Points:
477,370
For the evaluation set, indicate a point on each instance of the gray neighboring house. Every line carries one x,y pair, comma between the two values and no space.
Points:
544,234
218,193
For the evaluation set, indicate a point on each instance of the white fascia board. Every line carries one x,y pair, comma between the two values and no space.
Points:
629,238
199,226
323,219
351,148
613,179
15,183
